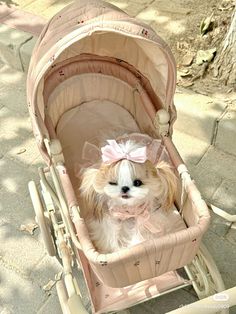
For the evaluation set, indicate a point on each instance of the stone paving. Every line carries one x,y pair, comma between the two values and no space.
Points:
204,134
24,266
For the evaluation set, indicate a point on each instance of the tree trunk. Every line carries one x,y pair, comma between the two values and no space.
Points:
225,62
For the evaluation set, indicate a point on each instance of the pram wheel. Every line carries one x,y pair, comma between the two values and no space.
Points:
42,219
205,276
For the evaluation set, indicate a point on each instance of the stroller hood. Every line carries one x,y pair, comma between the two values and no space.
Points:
99,28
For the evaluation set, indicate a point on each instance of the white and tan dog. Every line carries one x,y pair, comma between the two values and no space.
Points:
123,192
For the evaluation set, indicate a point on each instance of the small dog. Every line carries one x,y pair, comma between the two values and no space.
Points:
122,193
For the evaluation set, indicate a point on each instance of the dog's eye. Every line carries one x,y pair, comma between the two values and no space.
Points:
112,183
137,182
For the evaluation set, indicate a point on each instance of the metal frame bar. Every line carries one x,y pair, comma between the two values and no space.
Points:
60,202
222,213
67,288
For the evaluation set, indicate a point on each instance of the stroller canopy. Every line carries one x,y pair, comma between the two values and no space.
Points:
98,28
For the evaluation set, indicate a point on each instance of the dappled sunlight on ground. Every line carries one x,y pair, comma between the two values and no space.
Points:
24,265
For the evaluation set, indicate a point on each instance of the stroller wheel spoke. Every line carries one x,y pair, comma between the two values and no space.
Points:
205,275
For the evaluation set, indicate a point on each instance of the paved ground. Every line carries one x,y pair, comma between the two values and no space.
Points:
204,134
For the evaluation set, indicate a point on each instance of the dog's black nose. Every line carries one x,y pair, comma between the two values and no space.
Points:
125,189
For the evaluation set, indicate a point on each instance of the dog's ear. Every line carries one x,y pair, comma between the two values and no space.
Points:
88,178
88,192
169,182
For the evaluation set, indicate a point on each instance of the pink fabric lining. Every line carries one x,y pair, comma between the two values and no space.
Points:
144,82
107,66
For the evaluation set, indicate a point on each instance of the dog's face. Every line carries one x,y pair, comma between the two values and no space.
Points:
126,183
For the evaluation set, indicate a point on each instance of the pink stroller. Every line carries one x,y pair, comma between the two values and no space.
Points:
93,62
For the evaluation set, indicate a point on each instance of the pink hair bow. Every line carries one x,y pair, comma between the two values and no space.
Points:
115,152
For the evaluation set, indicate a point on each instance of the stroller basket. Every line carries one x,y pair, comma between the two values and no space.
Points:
147,260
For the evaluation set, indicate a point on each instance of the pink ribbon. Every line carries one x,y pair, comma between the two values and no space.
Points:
155,151
140,213
115,152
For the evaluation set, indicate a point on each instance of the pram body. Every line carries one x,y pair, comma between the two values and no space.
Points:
94,67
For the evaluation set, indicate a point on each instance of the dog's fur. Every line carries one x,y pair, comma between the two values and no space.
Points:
101,188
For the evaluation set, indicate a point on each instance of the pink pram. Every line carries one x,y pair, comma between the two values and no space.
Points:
93,62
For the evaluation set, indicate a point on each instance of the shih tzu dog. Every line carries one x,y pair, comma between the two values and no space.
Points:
123,191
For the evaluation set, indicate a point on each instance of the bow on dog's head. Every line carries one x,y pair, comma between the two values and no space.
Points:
114,152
